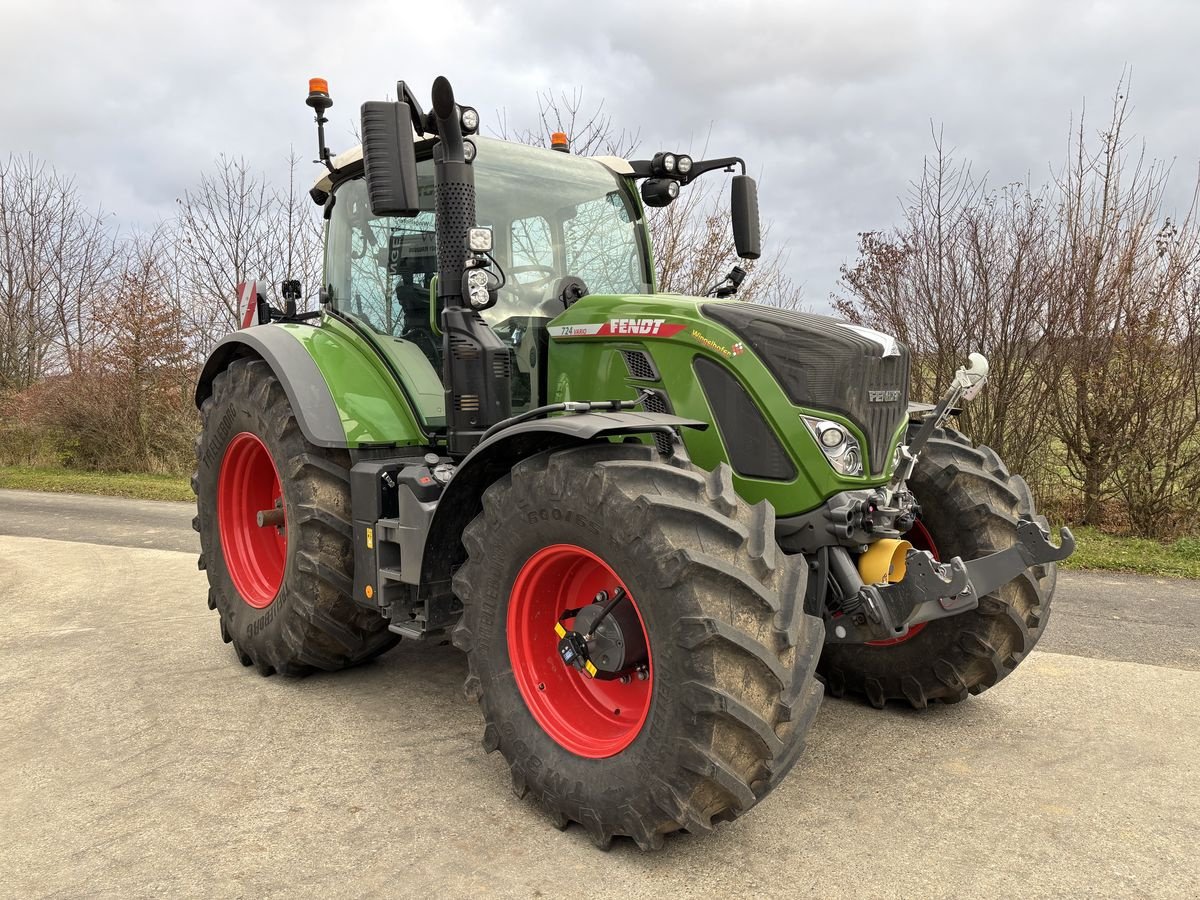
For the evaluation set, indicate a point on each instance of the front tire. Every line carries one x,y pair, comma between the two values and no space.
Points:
971,505
282,593
731,689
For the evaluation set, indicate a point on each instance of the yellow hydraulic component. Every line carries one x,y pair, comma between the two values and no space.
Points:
884,562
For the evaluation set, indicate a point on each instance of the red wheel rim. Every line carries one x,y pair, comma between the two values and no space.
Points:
588,716
921,539
247,484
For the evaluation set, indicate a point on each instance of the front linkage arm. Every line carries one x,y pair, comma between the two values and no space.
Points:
932,590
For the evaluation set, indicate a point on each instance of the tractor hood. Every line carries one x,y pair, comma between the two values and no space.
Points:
823,363
758,373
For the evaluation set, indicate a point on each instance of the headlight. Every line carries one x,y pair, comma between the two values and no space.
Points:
668,163
470,120
840,447
684,164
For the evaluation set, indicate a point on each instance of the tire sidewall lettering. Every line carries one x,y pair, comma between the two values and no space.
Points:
585,522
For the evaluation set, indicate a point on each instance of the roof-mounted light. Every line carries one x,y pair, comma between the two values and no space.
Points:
318,94
659,191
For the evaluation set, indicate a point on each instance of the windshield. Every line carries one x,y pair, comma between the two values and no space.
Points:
552,215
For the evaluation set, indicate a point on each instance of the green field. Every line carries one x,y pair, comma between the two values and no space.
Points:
1097,550
70,481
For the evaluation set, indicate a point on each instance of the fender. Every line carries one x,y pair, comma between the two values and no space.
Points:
462,499
339,393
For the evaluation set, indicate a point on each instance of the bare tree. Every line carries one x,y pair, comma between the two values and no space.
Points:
298,235
693,251
56,259
1158,474
591,133
1082,295
227,233
969,268
1104,313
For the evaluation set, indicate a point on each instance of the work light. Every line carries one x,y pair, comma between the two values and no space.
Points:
479,239
477,289
659,191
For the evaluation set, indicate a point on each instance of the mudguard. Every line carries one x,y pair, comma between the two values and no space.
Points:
461,501
338,390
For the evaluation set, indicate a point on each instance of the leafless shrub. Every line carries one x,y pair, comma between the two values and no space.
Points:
1082,294
968,269
226,236
56,259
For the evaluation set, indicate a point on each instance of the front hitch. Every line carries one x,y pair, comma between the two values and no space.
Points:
931,590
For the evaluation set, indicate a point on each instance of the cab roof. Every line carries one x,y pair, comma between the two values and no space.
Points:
348,158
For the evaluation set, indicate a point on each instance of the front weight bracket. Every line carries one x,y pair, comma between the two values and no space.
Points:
932,590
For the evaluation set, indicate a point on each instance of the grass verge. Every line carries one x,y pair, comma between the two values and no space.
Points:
1097,550
70,481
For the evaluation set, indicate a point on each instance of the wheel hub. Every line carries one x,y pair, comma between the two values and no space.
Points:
606,640
586,674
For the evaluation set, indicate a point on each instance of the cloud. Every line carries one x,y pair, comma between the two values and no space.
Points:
830,102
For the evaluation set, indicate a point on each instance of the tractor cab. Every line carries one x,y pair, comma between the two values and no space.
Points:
563,227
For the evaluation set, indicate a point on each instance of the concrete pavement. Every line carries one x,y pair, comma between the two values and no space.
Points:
138,758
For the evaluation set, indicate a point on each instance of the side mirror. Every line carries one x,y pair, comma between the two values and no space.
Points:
743,207
389,158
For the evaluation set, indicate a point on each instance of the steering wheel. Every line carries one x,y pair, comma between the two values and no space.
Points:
549,274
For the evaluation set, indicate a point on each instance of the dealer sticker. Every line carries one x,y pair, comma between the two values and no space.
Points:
658,328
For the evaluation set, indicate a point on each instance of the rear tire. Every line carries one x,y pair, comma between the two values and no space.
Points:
732,653
294,613
970,506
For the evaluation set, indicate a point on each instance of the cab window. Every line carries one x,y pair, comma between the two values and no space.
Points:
553,215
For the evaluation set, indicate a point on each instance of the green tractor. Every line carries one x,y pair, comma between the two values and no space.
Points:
658,526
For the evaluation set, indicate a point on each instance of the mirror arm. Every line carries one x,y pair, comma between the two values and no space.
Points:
644,168
700,166
420,121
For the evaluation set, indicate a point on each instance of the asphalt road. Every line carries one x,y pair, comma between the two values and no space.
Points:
138,758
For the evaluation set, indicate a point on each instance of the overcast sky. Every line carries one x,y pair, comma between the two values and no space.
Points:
829,102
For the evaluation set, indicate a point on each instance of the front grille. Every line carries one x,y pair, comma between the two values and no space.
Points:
824,365
640,365
657,402
752,445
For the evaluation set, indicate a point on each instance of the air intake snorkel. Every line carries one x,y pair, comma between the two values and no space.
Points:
476,363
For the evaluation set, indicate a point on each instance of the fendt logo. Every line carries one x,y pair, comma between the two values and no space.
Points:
635,326
626,327
883,396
